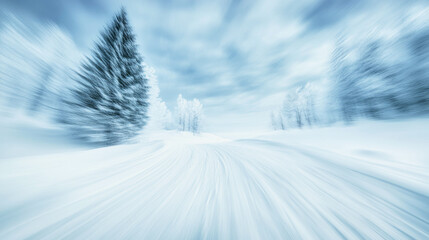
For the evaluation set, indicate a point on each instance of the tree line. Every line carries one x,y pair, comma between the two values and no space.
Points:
106,99
375,78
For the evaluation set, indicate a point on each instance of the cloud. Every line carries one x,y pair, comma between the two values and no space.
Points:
236,56
326,13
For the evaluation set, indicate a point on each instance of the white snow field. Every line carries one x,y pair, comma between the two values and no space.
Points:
369,181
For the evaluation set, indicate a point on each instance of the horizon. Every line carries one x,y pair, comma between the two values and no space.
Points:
239,58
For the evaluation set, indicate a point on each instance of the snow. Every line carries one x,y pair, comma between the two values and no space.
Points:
394,140
366,181
175,137
21,135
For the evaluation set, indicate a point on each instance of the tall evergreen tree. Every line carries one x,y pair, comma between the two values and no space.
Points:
111,101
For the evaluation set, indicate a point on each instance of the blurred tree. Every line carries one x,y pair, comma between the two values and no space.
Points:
418,42
37,61
111,101
298,109
345,88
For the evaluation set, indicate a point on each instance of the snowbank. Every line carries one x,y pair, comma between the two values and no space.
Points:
403,141
22,136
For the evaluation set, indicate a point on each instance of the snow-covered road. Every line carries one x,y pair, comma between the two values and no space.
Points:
211,188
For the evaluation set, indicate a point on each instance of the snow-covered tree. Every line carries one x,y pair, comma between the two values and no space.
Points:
189,114
159,115
297,110
306,98
196,115
277,121
291,110
111,102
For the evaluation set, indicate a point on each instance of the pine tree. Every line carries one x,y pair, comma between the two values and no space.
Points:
111,101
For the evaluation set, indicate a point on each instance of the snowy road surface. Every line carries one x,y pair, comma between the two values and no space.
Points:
210,188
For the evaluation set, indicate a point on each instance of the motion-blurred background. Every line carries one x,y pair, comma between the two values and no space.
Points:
252,64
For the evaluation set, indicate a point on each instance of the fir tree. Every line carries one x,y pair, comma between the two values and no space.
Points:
111,101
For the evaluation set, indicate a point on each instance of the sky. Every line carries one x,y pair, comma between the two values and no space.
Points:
238,57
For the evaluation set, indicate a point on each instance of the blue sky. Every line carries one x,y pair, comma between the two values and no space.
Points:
238,57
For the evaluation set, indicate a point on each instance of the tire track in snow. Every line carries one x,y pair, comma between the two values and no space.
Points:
246,189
